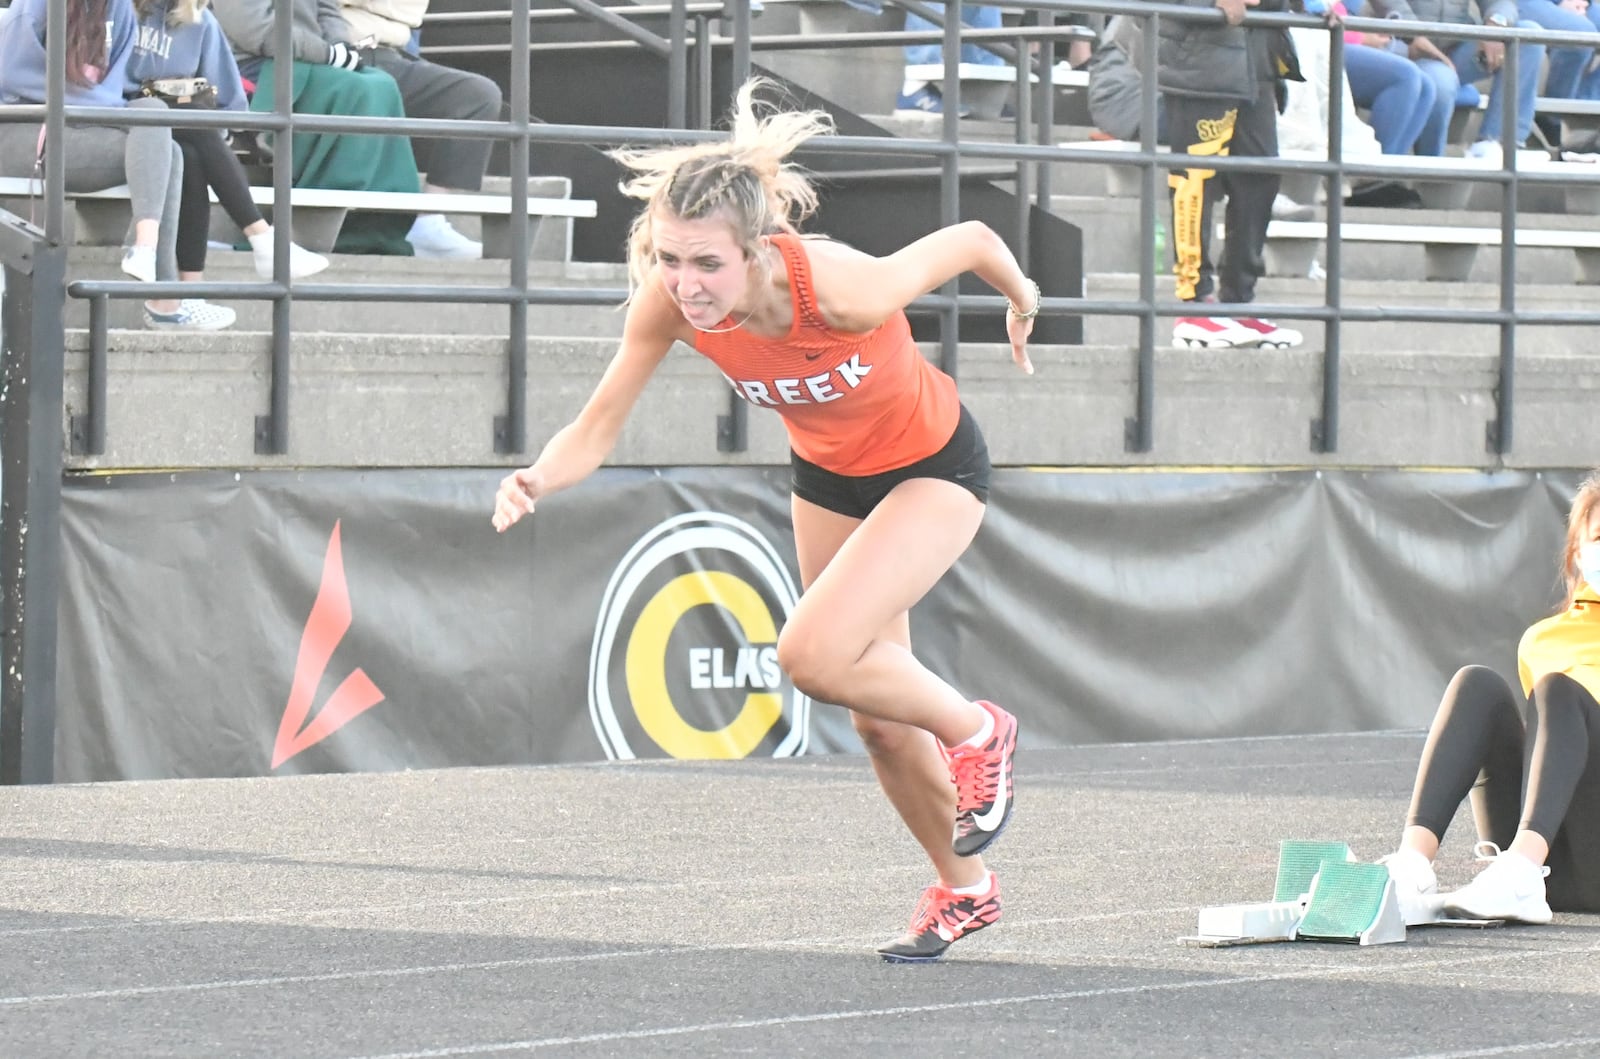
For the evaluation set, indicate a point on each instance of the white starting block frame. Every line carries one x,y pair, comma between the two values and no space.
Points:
1337,904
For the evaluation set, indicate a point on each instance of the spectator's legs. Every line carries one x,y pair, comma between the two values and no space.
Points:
1530,63
221,171
1250,196
194,213
430,90
1567,65
1395,91
1589,83
978,16
1201,128
155,191
1436,129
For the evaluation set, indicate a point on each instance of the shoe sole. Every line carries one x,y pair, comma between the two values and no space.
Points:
1540,917
1206,343
889,957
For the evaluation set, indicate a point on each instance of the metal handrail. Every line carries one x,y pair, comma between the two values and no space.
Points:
947,152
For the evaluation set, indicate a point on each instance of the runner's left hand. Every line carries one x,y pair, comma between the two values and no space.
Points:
1018,331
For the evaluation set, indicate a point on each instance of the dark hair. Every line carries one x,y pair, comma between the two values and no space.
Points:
1584,503
86,39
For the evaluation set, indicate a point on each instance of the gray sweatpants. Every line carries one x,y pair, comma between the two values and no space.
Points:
144,158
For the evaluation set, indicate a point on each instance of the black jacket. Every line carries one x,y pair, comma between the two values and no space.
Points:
1214,60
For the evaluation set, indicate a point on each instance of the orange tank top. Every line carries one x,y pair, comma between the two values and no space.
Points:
854,404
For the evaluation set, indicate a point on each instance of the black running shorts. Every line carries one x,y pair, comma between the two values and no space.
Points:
964,460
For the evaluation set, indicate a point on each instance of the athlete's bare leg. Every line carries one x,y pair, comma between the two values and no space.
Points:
833,647
910,768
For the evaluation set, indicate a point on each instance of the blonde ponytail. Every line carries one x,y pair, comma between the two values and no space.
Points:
747,178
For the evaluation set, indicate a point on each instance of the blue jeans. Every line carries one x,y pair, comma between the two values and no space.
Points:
1397,94
1466,67
977,16
1565,78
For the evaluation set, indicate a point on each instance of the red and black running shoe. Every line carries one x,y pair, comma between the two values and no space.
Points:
941,918
984,793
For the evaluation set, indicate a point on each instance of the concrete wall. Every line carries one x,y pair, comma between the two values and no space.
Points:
178,400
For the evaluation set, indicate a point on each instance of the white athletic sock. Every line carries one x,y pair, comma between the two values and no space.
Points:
983,733
979,887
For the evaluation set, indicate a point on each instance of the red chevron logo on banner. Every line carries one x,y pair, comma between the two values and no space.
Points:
325,628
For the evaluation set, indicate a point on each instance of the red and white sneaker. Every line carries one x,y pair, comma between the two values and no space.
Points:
942,917
1270,333
1213,332
984,793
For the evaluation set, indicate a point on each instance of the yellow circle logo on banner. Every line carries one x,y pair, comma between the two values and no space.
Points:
647,676
688,629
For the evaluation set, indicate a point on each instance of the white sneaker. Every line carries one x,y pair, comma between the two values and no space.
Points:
432,236
1212,332
302,262
1511,887
1270,334
1286,209
1416,887
194,314
1488,150
140,263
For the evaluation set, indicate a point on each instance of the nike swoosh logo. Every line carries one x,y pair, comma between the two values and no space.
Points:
948,933
997,812
813,356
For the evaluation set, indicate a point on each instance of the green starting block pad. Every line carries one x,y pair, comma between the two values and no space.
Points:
1322,894
1352,902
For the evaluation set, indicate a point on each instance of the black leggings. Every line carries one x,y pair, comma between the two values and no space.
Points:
1522,774
208,164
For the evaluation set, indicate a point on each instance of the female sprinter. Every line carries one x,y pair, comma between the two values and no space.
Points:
1530,761
890,473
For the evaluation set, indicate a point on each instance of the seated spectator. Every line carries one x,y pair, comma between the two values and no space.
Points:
179,40
430,90
1570,73
100,37
1471,62
330,77
1387,83
924,96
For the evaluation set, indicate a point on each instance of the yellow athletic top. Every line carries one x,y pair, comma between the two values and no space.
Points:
1568,643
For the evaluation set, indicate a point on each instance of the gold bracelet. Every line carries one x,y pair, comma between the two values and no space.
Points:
1038,302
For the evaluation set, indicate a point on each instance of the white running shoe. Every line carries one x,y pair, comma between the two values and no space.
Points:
194,314
432,236
302,262
140,263
1416,887
1270,333
1212,332
1511,887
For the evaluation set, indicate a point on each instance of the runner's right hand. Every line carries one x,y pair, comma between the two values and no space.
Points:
515,497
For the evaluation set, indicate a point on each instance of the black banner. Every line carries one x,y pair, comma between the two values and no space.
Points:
222,624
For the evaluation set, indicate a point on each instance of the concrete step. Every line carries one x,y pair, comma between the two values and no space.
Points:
1111,241
231,266
191,400
1371,338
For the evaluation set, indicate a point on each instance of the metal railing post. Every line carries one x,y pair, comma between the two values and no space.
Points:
511,432
1325,429
272,430
1139,430
1500,431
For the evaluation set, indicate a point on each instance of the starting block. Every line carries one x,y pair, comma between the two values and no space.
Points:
1323,893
